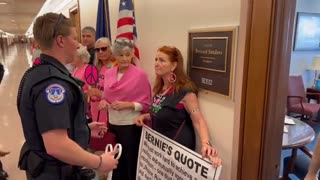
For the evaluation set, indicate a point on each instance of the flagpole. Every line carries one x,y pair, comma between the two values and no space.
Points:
133,4
106,14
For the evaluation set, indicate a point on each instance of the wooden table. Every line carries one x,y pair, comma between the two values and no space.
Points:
297,137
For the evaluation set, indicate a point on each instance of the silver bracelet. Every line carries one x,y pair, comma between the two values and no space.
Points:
194,110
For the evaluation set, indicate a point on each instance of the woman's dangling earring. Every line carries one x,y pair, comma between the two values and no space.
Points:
172,77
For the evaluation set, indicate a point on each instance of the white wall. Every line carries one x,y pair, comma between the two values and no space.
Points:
301,60
167,22
88,12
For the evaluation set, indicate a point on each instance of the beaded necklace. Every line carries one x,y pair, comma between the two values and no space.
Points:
158,99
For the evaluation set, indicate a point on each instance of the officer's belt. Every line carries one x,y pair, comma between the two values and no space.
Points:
70,172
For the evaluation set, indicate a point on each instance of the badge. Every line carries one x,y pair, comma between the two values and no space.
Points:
55,93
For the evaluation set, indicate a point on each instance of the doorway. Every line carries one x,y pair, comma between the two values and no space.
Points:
267,52
74,14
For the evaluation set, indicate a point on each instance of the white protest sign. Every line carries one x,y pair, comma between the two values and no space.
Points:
162,158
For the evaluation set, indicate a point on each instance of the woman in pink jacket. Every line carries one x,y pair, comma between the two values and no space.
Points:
127,93
103,61
80,63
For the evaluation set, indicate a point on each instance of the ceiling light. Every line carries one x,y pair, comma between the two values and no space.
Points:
3,3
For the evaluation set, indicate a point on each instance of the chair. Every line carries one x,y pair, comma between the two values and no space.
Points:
297,101
301,163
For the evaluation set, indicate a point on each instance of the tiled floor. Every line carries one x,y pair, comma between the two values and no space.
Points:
16,59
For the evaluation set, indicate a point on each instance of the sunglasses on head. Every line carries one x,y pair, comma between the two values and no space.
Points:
103,49
56,26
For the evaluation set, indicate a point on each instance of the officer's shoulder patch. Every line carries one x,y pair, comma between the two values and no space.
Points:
55,93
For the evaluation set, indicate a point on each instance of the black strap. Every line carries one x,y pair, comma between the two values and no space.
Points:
179,130
21,85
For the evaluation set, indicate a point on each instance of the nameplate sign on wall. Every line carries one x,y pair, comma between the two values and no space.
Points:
211,59
162,158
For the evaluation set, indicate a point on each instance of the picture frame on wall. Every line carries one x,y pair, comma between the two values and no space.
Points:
307,32
211,54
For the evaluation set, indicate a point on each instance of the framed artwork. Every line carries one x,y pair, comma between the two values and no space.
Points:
307,32
211,59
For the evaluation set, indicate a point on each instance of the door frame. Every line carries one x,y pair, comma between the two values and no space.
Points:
74,12
267,52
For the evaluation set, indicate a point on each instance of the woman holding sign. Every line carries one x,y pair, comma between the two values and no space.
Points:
126,94
175,110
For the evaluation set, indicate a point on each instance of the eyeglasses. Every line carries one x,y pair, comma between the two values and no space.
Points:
56,26
103,49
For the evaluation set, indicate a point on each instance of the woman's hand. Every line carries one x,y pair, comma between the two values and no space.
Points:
121,105
210,153
103,105
140,120
98,129
94,92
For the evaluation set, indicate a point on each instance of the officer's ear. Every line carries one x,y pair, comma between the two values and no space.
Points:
60,41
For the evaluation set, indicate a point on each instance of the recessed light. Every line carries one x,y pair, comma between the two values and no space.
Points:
3,3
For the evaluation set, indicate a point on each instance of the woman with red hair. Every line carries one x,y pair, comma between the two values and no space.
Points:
174,110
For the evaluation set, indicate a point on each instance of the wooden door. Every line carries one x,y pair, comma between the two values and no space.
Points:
74,13
266,69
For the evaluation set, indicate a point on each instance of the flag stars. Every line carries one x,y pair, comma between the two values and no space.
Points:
123,3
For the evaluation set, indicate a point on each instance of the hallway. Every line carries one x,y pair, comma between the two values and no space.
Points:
16,60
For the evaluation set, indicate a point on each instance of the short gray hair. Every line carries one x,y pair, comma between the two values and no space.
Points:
89,29
120,44
83,54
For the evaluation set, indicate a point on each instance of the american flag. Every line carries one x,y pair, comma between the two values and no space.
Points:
126,24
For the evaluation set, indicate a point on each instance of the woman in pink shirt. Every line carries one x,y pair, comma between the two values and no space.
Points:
103,61
80,63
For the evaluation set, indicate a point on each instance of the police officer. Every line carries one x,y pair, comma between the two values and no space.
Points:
51,106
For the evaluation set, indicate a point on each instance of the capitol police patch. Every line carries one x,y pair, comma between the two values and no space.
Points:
55,93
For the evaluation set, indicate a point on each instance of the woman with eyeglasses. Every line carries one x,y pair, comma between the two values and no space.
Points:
127,94
103,61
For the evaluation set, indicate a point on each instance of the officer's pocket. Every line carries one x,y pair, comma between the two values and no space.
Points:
35,164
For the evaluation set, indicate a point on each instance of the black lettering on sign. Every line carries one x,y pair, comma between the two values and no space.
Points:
191,164
158,143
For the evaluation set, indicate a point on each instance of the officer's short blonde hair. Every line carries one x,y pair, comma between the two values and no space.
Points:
48,26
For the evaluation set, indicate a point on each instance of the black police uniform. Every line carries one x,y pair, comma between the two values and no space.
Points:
1,72
50,98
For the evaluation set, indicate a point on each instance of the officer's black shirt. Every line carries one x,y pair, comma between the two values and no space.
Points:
1,72
41,112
